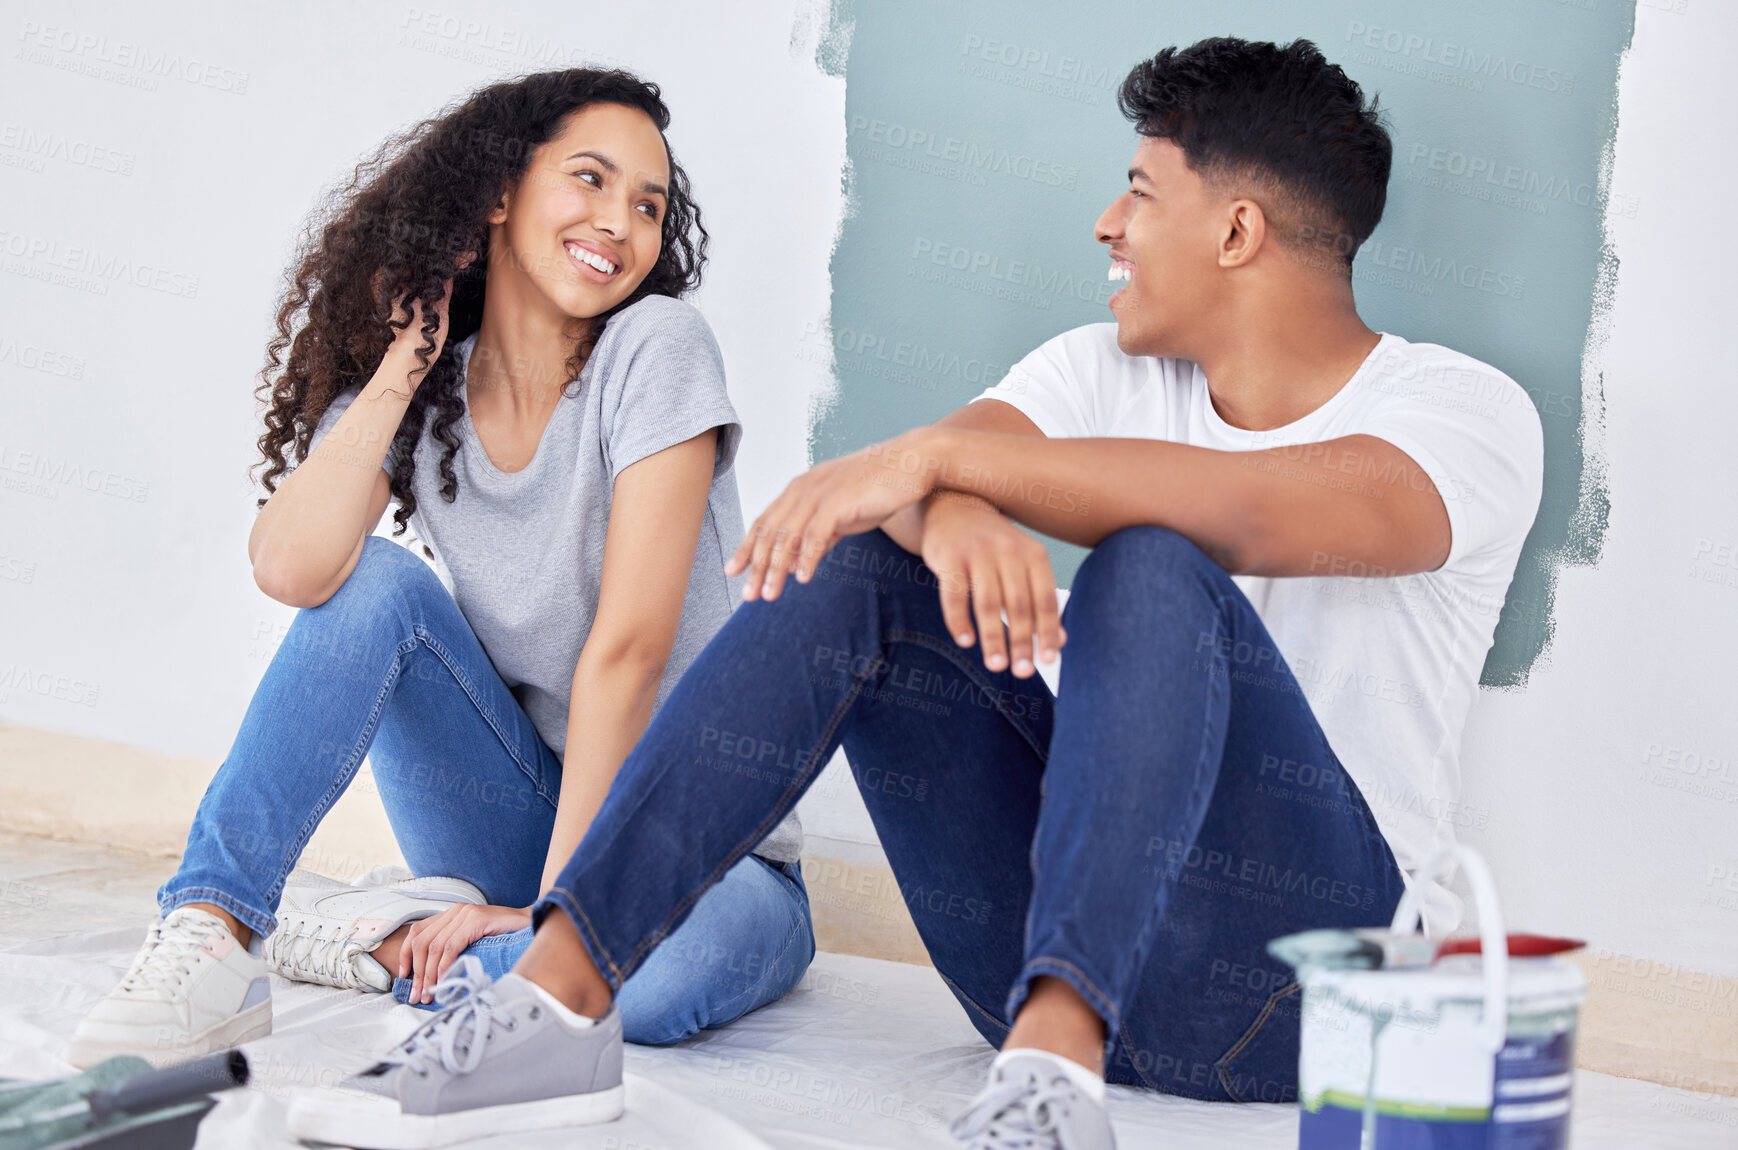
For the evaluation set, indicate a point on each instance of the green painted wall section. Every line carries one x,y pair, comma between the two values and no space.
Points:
984,141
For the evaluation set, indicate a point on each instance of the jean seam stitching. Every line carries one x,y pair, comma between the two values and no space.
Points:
975,1004
1221,1066
583,922
1129,1041
969,668
246,915
779,811
950,652
1195,795
1111,1014
454,669
347,773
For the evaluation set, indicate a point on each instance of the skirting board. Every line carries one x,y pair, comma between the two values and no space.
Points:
1643,1019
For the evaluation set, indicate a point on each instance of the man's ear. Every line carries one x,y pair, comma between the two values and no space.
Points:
1244,232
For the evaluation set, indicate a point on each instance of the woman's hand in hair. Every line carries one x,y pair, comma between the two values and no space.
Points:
435,943
408,341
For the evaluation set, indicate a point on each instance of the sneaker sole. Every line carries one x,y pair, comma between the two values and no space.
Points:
373,1123
254,1022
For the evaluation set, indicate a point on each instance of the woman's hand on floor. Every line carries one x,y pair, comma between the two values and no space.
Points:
436,943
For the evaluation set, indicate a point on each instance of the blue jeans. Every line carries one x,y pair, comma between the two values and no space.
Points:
1140,836
389,668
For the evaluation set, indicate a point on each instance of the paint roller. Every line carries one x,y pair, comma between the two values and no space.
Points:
120,1102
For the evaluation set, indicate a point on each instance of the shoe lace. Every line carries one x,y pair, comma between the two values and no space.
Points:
1019,1114
165,962
312,954
457,1035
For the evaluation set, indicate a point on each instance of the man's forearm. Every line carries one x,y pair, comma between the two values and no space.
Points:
1258,512
1078,490
906,527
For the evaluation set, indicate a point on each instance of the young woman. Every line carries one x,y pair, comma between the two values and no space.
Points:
488,331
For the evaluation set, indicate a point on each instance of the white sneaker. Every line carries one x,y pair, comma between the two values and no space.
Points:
379,876
328,931
191,990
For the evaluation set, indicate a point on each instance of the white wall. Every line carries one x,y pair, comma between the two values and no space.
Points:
1590,833
139,603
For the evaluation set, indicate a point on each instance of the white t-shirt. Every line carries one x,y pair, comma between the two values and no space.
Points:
1390,665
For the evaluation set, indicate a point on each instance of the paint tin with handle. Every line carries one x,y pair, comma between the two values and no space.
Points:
1469,1052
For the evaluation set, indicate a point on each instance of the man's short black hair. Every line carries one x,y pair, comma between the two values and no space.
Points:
1284,119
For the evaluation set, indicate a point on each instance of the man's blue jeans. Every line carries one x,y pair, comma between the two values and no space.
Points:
1141,835
389,668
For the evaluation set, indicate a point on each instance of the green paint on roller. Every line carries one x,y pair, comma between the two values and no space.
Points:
983,141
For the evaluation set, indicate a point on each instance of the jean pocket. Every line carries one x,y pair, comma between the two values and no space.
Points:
1261,1066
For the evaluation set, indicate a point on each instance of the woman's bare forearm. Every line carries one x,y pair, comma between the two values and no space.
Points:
310,528
608,711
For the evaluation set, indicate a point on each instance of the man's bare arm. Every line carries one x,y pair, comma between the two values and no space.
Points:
1316,508
1303,510
906,526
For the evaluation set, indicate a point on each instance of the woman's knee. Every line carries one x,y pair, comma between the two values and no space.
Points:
747,943
665,1000
643,1026
385,575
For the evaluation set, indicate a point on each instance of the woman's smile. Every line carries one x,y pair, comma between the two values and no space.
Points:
595,262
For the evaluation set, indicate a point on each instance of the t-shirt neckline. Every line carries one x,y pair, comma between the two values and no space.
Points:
463,350
1288,432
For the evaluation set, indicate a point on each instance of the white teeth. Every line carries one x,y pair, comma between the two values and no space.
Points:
591,259
1120,271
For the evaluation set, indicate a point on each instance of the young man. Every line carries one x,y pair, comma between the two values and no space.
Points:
1301,539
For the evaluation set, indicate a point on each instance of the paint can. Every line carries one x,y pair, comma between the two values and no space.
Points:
1468,1052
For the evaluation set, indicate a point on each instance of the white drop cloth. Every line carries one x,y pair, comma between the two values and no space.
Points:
864,1054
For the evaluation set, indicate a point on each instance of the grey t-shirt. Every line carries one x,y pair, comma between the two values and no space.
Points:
523,550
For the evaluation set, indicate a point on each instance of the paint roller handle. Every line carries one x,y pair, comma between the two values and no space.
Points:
171,1086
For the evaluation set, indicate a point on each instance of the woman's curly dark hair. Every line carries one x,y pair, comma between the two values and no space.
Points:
412,212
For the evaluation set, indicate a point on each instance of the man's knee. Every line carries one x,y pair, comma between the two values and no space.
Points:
1147,551
874,564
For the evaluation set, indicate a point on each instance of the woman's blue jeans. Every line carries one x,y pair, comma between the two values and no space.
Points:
1141,835
389,668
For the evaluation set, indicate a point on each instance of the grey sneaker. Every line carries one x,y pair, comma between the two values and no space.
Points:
1031,1105
496,1060
328,931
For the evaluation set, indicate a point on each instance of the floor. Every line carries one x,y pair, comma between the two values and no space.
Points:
864,1053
